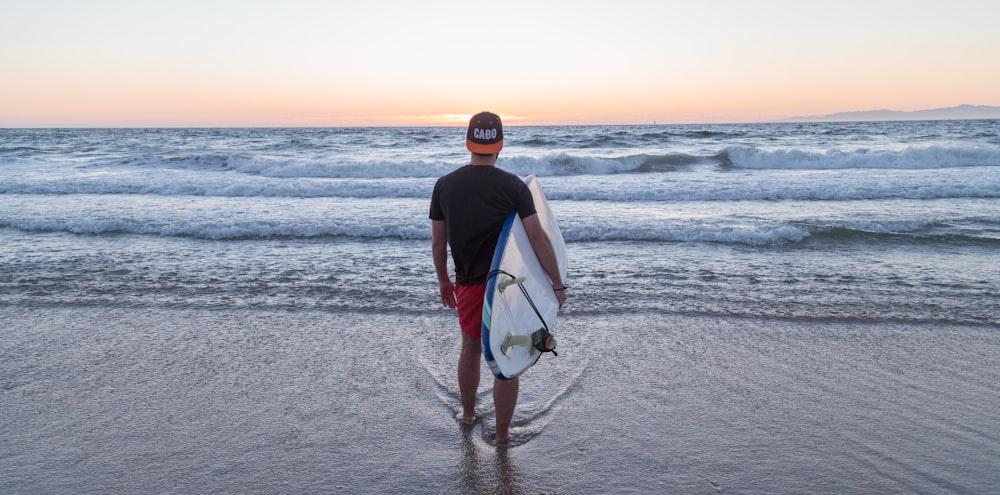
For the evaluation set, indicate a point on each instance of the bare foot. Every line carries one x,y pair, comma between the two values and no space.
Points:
503,434
468,420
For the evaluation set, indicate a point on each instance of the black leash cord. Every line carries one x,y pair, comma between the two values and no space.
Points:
526,296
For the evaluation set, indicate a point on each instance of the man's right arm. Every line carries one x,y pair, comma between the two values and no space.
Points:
439,249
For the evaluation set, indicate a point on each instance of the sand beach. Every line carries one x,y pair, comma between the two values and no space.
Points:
105,400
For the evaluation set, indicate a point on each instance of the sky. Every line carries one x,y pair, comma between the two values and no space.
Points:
104,63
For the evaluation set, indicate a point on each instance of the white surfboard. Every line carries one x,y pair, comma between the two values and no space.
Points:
519,299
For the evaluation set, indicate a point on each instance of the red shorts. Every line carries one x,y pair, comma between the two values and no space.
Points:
470,309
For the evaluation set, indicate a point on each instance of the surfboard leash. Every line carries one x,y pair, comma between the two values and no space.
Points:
541,339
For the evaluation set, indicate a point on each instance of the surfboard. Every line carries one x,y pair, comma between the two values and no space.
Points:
520,307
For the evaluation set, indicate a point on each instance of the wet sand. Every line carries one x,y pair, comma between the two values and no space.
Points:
112,400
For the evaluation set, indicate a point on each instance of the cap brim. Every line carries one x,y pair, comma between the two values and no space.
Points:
484,149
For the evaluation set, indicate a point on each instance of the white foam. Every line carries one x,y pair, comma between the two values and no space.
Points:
747,234
907,158
699,183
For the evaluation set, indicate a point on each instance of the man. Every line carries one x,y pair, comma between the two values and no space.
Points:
468,208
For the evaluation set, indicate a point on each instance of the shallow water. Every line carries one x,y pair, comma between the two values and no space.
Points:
847,280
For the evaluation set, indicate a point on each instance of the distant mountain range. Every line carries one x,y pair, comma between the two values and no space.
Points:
961,112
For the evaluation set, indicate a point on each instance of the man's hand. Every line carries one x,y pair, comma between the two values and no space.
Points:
448,294
439,247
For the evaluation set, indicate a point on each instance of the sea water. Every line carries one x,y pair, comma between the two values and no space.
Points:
247,282
894,221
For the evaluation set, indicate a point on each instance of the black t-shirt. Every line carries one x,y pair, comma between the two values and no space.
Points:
474,201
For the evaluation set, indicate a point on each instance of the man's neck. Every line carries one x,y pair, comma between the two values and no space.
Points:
484,160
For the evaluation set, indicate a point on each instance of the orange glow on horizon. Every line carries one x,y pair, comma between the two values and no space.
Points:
350,65
149,106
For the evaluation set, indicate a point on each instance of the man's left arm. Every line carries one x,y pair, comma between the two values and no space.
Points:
542,245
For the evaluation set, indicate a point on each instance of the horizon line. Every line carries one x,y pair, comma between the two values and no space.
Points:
459,120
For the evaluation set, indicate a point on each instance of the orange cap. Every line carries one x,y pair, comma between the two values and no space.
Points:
485,135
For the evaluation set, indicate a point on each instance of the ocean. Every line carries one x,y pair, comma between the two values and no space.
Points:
753,308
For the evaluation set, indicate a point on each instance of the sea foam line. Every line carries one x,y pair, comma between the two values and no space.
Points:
690,185
908,158
575,163
765,233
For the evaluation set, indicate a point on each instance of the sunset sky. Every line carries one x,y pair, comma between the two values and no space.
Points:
69,63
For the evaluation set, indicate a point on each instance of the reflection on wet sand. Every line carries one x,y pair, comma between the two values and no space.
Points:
484,468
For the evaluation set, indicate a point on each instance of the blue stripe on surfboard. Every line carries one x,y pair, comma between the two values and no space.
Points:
490,286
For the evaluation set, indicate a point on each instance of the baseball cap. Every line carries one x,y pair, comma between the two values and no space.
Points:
485,134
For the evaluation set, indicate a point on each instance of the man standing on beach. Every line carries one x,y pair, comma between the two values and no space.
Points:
468,208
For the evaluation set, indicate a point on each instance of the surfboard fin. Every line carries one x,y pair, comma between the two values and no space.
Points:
507,281
511,340
539,341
